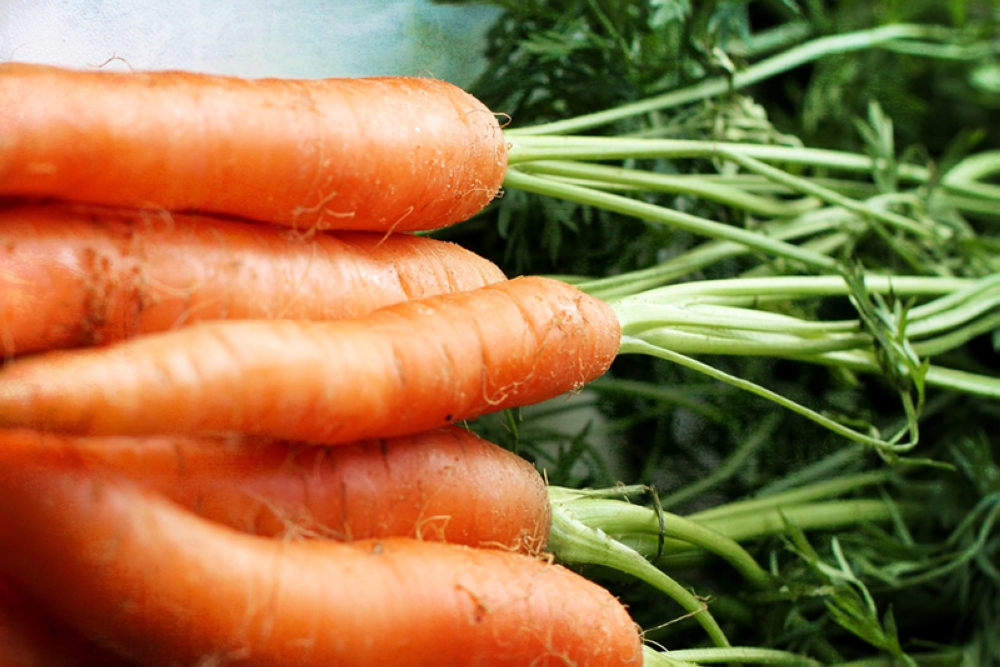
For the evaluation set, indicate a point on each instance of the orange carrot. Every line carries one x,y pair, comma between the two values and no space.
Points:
135,572
81,275
446,485
403,369
376,154
29,638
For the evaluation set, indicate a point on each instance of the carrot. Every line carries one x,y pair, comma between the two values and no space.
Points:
375,154
403,369
160,585
446,485
80,275
30,638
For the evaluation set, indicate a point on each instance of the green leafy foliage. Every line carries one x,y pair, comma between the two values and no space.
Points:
907,587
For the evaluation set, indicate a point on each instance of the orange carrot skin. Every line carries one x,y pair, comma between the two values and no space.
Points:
404,369
80,275
375,154
29,638
162,586
445,485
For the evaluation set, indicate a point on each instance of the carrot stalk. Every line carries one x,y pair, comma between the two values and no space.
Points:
403,369
80,275
444,485
377,154
163,586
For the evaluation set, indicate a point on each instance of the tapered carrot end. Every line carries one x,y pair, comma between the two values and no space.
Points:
577,337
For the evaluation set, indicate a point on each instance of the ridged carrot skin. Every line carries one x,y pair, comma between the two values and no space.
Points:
404,369
81,275
376,154
445,485
166,587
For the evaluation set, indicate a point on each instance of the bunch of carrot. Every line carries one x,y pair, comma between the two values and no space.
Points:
231,378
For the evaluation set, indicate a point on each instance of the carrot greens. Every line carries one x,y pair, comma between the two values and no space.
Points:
792,208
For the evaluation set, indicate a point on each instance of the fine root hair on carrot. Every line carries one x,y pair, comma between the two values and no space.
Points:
75,275
117,562
405,368
112,59
434,528
447,485
408,153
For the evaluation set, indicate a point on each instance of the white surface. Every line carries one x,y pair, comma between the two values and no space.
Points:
288,38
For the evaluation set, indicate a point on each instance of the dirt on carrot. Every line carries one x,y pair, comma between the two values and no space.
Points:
164,586
403,369
445,485
82,275
377,154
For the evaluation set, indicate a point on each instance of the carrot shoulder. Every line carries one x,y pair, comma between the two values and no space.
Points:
403,369
81,275
445,485
163,586
377,154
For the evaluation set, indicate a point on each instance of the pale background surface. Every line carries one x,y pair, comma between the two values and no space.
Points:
288,38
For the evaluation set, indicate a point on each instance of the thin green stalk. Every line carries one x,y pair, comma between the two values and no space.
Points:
653,658
704,340
647,211
736,153
830,466
774,520
684,396
812,492
953,658
808,187
750,291
958,337
746,527
936,376
761,71
826,245
700,257
965,178
640,316
730,466
759,185
531,149
659,182
576,543
951,310
633,345
617,519
822,515
745,654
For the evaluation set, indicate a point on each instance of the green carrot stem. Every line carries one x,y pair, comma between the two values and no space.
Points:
745,654
794,57
670,183
652,212
702,256
530,149
809,493
576,543
822,515
633,345
730,466
615,517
